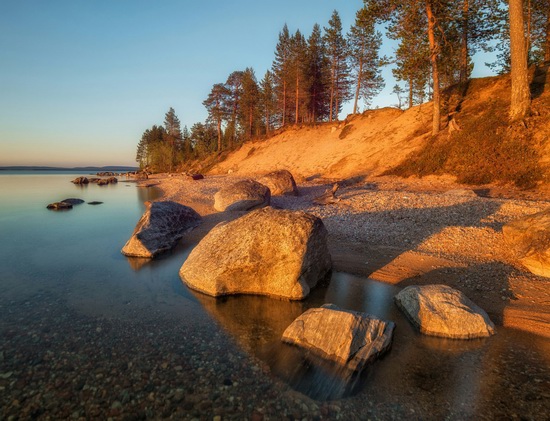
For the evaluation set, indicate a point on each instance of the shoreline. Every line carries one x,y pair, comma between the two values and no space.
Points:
405,232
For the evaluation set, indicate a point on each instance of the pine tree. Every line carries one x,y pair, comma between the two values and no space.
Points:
218,108
317,75
234,85
280,69
339,71
297,72
364,44
268,100
248,109
173,134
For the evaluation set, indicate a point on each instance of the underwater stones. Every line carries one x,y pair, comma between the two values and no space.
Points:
73,201
280,183
242,196
529,238
269,252
350,338
439,310
160,228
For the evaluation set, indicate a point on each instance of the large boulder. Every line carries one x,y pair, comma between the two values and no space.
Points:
160,228
280,183
439,310
529,238
351,338
266,252
242,196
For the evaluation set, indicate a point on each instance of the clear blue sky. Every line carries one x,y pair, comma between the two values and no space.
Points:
81,80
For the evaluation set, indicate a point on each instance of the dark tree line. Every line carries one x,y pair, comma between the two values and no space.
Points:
312,77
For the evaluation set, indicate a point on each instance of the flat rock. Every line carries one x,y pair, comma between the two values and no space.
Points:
242,196
59,206
529,238
348,337
280,183
160,228
95,202
73,201
439,310
266,252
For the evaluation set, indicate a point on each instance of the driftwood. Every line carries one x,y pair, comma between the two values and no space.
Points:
328,197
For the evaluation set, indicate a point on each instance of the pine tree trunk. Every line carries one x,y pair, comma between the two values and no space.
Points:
284,102
411,91
434,50
358,88
547,41
297,99
464,54
332,83
219,135
521,97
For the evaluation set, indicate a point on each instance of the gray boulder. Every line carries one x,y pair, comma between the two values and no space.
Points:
242,196
280,183
266,252
439,310
160,228
351,338
529,238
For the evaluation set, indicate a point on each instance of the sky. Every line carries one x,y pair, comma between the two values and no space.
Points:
81,80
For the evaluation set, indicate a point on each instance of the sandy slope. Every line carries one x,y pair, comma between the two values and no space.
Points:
371,143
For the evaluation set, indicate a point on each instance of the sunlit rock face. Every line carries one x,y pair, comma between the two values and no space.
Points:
280,183
242,196
160,228
267,252
529,237
80,180
348,337
439,310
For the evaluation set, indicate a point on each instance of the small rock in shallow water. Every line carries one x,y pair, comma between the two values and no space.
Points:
95,203
59,206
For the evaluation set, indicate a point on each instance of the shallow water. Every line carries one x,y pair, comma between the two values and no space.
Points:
75,312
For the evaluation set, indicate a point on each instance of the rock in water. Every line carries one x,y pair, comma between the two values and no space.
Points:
73,201
242,196
59,206
80,180
266,252
160,228
348,337
439,310
529,237
280,183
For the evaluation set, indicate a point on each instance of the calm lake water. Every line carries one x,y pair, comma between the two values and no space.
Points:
77,316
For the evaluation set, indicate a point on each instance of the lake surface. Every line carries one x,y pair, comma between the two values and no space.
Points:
87,332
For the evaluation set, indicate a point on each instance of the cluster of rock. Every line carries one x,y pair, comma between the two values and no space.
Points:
66,204
284,254
95,180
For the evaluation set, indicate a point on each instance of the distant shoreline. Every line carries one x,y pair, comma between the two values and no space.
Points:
121,168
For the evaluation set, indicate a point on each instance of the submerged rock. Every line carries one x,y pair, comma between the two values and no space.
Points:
242,196
351,338
95,202
439,310
59,206
73,201
280,183
266,252
529,238
160,228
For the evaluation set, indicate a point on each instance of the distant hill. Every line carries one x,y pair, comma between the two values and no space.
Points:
477,145
112,168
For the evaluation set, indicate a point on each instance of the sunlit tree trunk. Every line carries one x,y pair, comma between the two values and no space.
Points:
521,97
434,50
358,88
464,54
